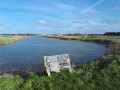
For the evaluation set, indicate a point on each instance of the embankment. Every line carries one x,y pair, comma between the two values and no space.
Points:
111,44
4,41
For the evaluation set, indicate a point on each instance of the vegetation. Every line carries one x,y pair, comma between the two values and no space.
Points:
96,39
112,33
76,34
112,42
101,74
4,40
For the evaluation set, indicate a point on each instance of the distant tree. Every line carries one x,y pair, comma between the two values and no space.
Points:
77,34
69,34
112,33
28,34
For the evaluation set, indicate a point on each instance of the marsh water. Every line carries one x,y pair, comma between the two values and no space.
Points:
29,52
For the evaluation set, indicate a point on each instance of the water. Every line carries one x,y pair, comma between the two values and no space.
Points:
30,51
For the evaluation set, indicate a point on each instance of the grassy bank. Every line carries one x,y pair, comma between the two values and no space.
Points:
97,39
112,42
102,74
99,75
4,41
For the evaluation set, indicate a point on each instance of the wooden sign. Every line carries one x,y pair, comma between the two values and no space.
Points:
57,62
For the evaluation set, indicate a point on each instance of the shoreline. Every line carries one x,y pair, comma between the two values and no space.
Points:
112,49
14,39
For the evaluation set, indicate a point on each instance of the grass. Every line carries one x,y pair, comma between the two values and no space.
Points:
14,39
87,37
99,75
116,40
105,40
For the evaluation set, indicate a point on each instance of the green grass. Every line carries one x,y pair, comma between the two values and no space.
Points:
116,40
4,41
89,38
99,75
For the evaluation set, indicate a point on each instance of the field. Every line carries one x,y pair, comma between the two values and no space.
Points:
89,38
14,39
101,74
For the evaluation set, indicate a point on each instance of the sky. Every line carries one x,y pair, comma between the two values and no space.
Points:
59,16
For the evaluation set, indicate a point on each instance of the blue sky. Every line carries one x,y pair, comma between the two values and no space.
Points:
59,16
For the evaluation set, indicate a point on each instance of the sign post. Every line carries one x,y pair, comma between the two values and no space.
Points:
56,62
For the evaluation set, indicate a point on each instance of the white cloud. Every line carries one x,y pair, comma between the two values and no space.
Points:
23,13
2,28
65,6
113,9
44,23
94,5
93,14
111,22
2,24
80,21
114,13
63,25
51,24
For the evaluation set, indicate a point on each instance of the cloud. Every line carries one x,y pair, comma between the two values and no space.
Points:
93,14
97,28
13,24
44,23
28,14
94,5
114,13
65,6
2,24
80,21
2,28
63,25
23,13
113,9
51,24
111,22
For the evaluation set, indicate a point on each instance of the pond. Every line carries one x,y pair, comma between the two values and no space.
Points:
29,52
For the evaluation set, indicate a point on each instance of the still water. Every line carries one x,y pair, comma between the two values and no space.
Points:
29,52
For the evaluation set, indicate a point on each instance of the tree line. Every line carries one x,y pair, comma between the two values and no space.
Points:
112,33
